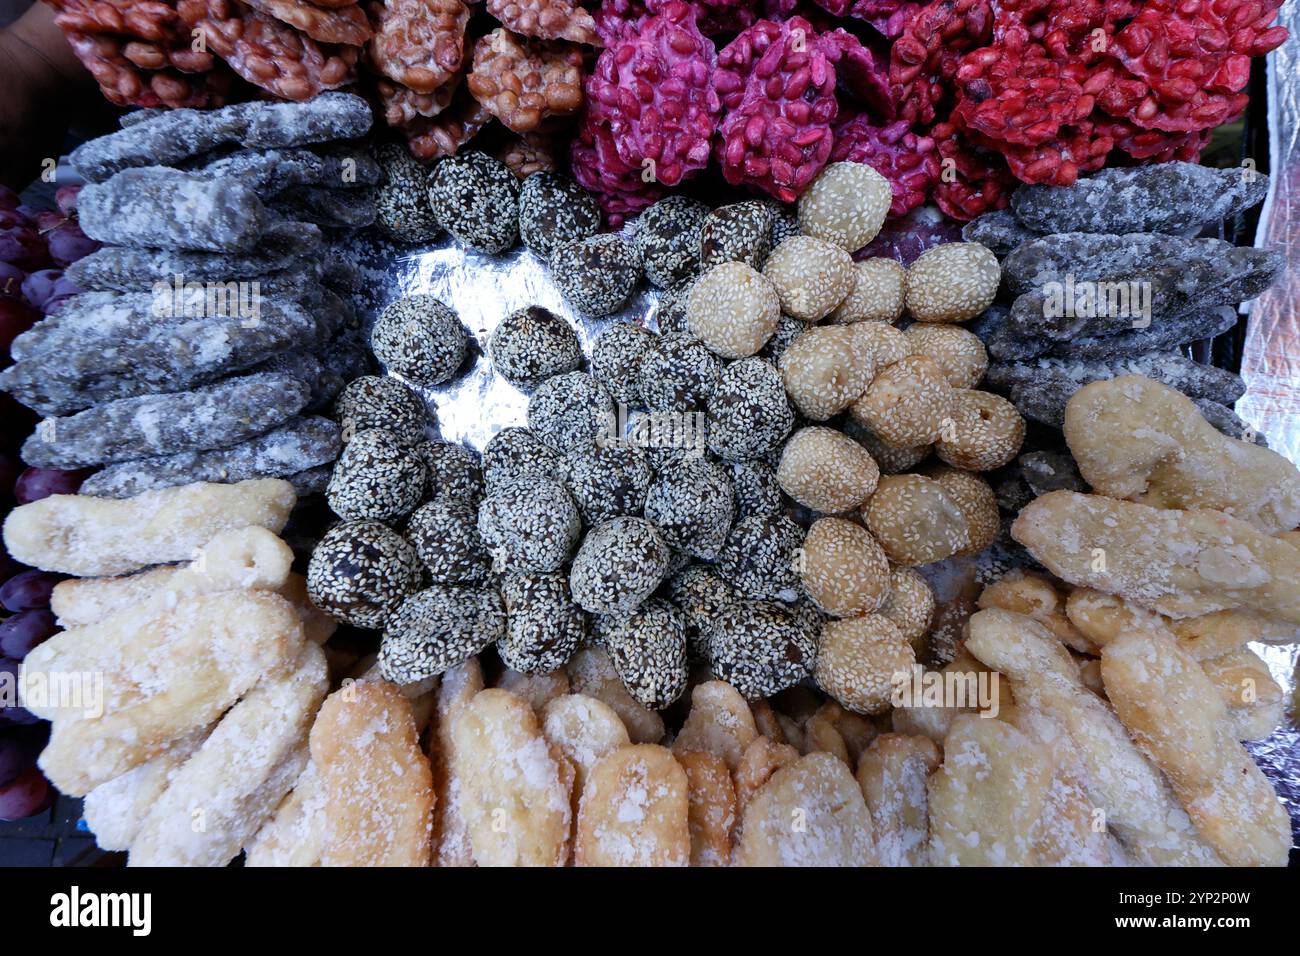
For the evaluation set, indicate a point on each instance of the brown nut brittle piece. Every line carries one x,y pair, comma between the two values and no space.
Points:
635,810
125,83
711,812
547,20
527,154
419,43
343,24
404,107
523,82
270,54
450,130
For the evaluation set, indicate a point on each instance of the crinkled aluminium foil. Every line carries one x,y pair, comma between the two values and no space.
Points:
484,289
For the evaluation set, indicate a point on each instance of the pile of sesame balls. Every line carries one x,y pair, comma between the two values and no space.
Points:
803,432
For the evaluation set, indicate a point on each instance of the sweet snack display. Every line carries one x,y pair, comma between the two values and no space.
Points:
680,433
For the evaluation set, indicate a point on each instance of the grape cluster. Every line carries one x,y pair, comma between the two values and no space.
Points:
35,245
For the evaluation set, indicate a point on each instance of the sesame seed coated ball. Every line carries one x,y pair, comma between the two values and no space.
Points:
907,403
811,276
741,232
693,504
761,557
915,520
825,470
648,650
554,210
531,524
910,605
455,472
787,330
514,453
420,338
952,282
376,477
882,341
958,352
700,594
977,500
543,626
402,208
986,431
846,204
825,370
570,411
888,459
619,565
533,344
760,647
670,318
747,411
857,660
438,628
733,310
445,536
377,401
844,570
360,571
678,374
608,480
877,293
616,360
596,275
476,199
668,239
756,487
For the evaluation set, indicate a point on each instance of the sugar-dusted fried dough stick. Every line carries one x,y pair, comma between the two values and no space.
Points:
78,534
635,810
166,671
1182,563
292,837
892,773
1138,805
249,557
1176,716
239,775
458,686
377,785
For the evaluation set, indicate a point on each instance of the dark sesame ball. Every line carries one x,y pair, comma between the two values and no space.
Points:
476,199
748,412
420,338
700,594
544,627
554,210
619,565
785,221
376,477
455,472
570,411
596,275
531,524
678,374
757,491
666,437
360,571
787,330
533,344
376,401
648,650
438,628
741,232
670,317
761,557
608,479
402,209
692,502
760,647
668,239
514,453
616,360
445,535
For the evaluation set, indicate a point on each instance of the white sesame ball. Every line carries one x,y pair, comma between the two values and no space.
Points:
857,661
910,605
877,293
977,500
915,520
733,310
811,276
984,431
843,568
907,404
846,204
957,351
825,370
952,282
826,470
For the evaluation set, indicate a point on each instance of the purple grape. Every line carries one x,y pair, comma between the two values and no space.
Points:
13,219
26,795
8,198
16,421
27,590
47,219
11,280
68,243
39,287
10,713
23,246
37,483
18,750
65,197
8,566
16,317
26,630
30,213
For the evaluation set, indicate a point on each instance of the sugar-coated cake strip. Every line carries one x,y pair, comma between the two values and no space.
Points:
292,837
